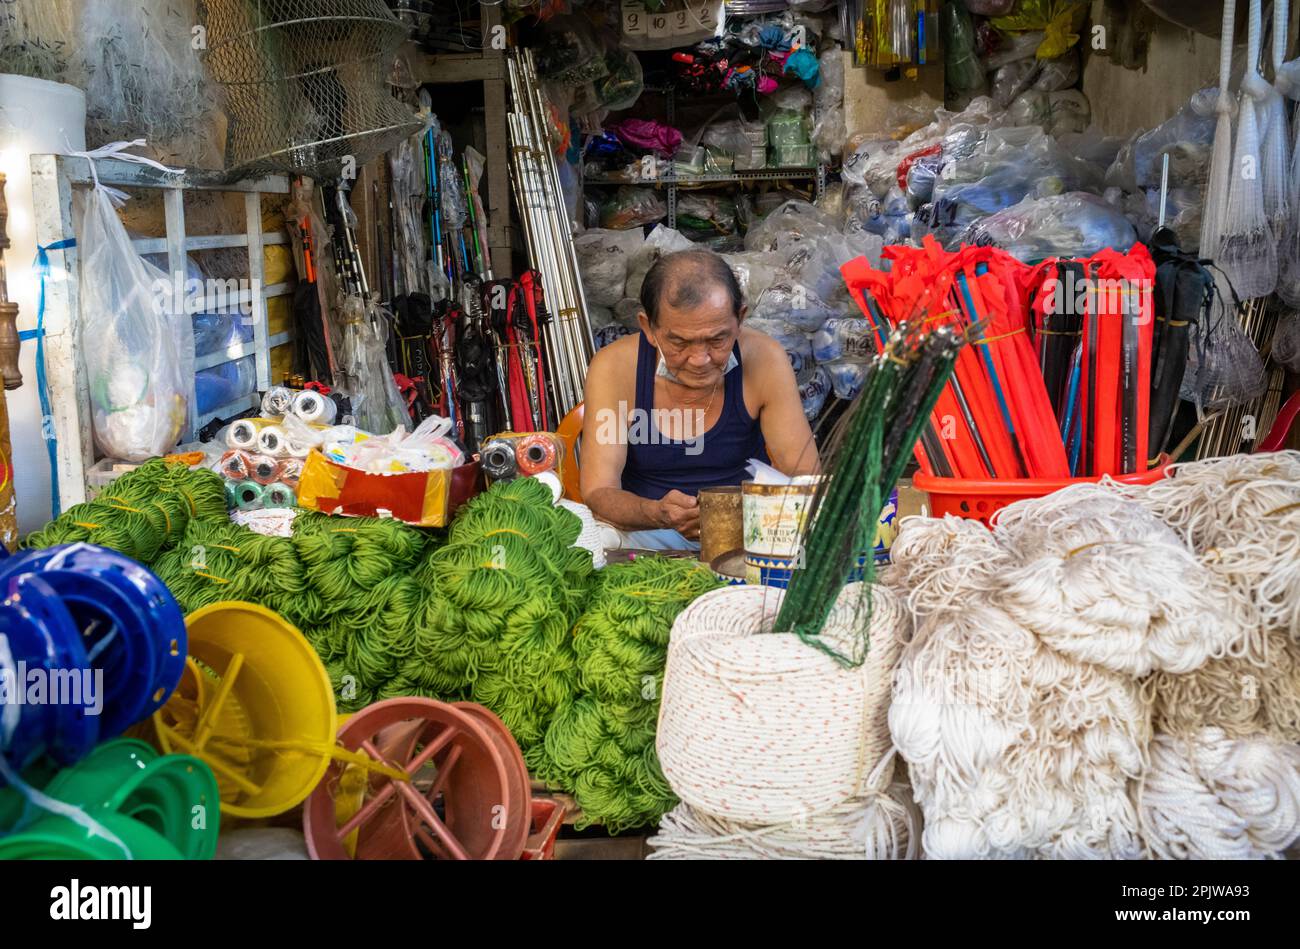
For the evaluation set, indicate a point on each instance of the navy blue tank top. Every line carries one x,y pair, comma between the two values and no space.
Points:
656,464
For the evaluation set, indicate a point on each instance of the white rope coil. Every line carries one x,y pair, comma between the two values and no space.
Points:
758,727
1213,797
590,536
883,826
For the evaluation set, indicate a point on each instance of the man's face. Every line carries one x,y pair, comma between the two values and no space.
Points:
696,341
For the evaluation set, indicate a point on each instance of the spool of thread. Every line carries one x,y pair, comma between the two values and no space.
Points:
236,465
232,494
265,470
277,402
243,433
536,453
290,472
279,495
249,495
312,407
272,441
498,460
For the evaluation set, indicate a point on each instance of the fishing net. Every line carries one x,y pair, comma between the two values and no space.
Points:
1223,366
306,82
1286,341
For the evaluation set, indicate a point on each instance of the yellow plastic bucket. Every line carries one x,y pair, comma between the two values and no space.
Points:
265,720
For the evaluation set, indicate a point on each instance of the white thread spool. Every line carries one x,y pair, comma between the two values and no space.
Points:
314,408
763,728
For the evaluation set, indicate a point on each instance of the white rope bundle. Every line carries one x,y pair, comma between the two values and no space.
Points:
1241,515
590,537
1015,750
1243,695
1021,705
1084,584
759,727
878,827
1218,798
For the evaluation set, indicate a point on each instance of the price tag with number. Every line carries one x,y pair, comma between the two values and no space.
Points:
660,26
680,22
634,19
705,13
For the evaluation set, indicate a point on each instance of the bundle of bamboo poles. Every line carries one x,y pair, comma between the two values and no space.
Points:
566,336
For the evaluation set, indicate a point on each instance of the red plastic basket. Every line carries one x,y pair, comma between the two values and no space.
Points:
981,499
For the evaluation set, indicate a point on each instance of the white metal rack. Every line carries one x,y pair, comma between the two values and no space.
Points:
55,179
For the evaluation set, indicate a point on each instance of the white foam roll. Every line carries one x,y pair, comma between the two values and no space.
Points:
762,727
273,441
314,408
242,434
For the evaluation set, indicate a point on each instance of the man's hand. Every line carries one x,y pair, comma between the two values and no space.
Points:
681,512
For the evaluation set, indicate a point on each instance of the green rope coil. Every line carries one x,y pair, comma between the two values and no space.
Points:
142,513
602,746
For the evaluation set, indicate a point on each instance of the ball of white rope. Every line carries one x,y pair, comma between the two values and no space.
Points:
759,727
590,537
1217,798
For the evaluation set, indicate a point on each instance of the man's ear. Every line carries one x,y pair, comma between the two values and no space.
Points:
644,322
742,313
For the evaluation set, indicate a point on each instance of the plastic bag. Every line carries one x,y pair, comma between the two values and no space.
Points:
139,354
632,207
662,240
755,271
1187,137
830,93
890,219
1092,146
1011,80
1058,74
376,402
1060,21
1066,225
813,393
797,305
792,221
963,72
846,377
645,135
706,214
786,128
1016,48
829,134
844,339
603,259
794,341
623,83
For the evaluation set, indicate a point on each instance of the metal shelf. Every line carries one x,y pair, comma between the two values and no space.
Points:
756,174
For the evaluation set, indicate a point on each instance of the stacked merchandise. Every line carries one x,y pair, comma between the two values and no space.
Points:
1037,721
264,458
1050,389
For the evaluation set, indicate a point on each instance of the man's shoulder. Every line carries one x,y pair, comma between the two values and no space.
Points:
759,349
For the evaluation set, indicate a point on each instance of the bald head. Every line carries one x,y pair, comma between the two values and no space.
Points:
686,279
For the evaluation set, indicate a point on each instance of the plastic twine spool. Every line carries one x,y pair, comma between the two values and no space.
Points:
536,453
311,406
277,402
243,433
271,440
264,469
249,495
279,495
236,465
498,460
759,727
